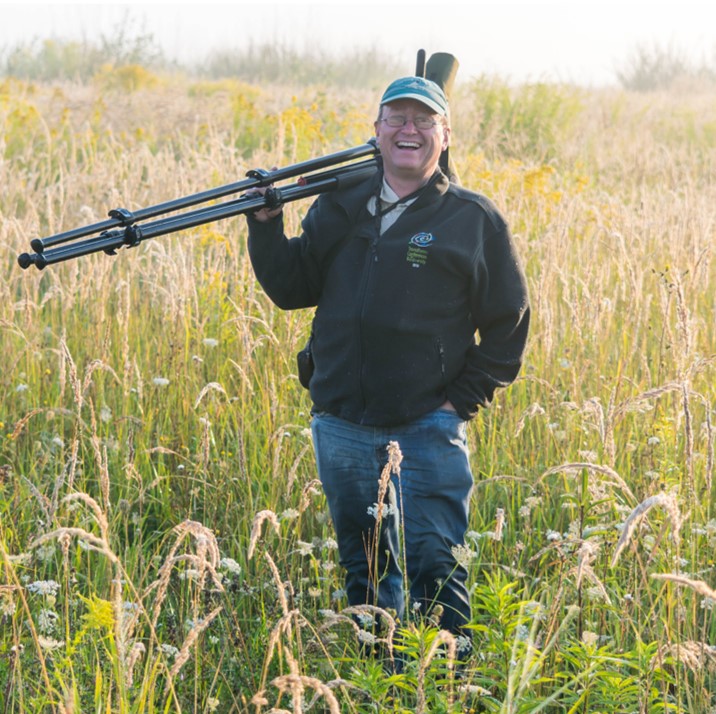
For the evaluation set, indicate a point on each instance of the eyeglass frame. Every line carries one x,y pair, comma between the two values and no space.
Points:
415,120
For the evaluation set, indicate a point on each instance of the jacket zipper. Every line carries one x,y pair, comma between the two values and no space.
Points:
371,259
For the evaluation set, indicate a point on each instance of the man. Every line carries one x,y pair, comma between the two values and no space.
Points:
404,269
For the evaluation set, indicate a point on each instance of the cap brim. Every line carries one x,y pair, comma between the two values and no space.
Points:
434,106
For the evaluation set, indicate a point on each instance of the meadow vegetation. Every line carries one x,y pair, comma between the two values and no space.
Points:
164,542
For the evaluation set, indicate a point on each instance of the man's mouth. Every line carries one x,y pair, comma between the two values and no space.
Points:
411,145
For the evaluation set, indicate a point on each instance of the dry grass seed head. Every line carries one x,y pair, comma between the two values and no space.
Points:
190,639
92,542
296,685
312,488
137,650
259,519
586,555
391,467
698,586
293,471
206,558
386,619
694,655
212,386
665,501
99,515
573,468
280,589
442,639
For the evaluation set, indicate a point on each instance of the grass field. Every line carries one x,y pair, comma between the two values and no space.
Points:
164,543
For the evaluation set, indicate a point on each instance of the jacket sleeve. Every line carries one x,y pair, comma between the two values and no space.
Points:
286,268
501,313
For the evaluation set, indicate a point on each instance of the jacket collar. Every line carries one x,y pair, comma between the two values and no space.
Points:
356,197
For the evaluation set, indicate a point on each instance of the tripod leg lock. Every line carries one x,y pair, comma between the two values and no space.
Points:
124,216
273,198
260,175
132,236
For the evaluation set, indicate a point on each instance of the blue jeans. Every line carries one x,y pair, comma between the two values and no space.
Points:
427,504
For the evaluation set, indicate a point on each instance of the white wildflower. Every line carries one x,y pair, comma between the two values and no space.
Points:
594,593
47,621
169,651
387,510
330,544
21,388
653,441
590,456
553,536
231,565
212,704
522,633
464,644
532,608
463,555
304,548
48,643
210,341
366,619
590,639
366,637
44,587
7,605
105,414
189,574
475,690
46,551
290,514
160,381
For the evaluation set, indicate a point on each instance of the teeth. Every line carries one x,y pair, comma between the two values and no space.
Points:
408,145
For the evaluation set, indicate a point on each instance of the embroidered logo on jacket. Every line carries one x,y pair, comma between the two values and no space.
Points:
417,254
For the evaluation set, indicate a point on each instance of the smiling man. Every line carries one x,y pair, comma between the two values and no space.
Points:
421,314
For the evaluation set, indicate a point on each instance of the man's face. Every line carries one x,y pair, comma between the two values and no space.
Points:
410,153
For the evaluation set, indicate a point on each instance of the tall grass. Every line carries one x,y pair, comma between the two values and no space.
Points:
164,543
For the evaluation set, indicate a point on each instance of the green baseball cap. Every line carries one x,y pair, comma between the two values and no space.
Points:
418,88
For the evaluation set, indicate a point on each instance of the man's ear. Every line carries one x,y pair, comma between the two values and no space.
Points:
446,136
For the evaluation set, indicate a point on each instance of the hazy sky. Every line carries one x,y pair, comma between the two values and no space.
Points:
580,41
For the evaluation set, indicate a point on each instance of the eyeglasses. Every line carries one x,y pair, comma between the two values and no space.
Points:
397,120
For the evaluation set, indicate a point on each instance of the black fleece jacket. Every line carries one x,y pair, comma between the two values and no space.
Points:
397,314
